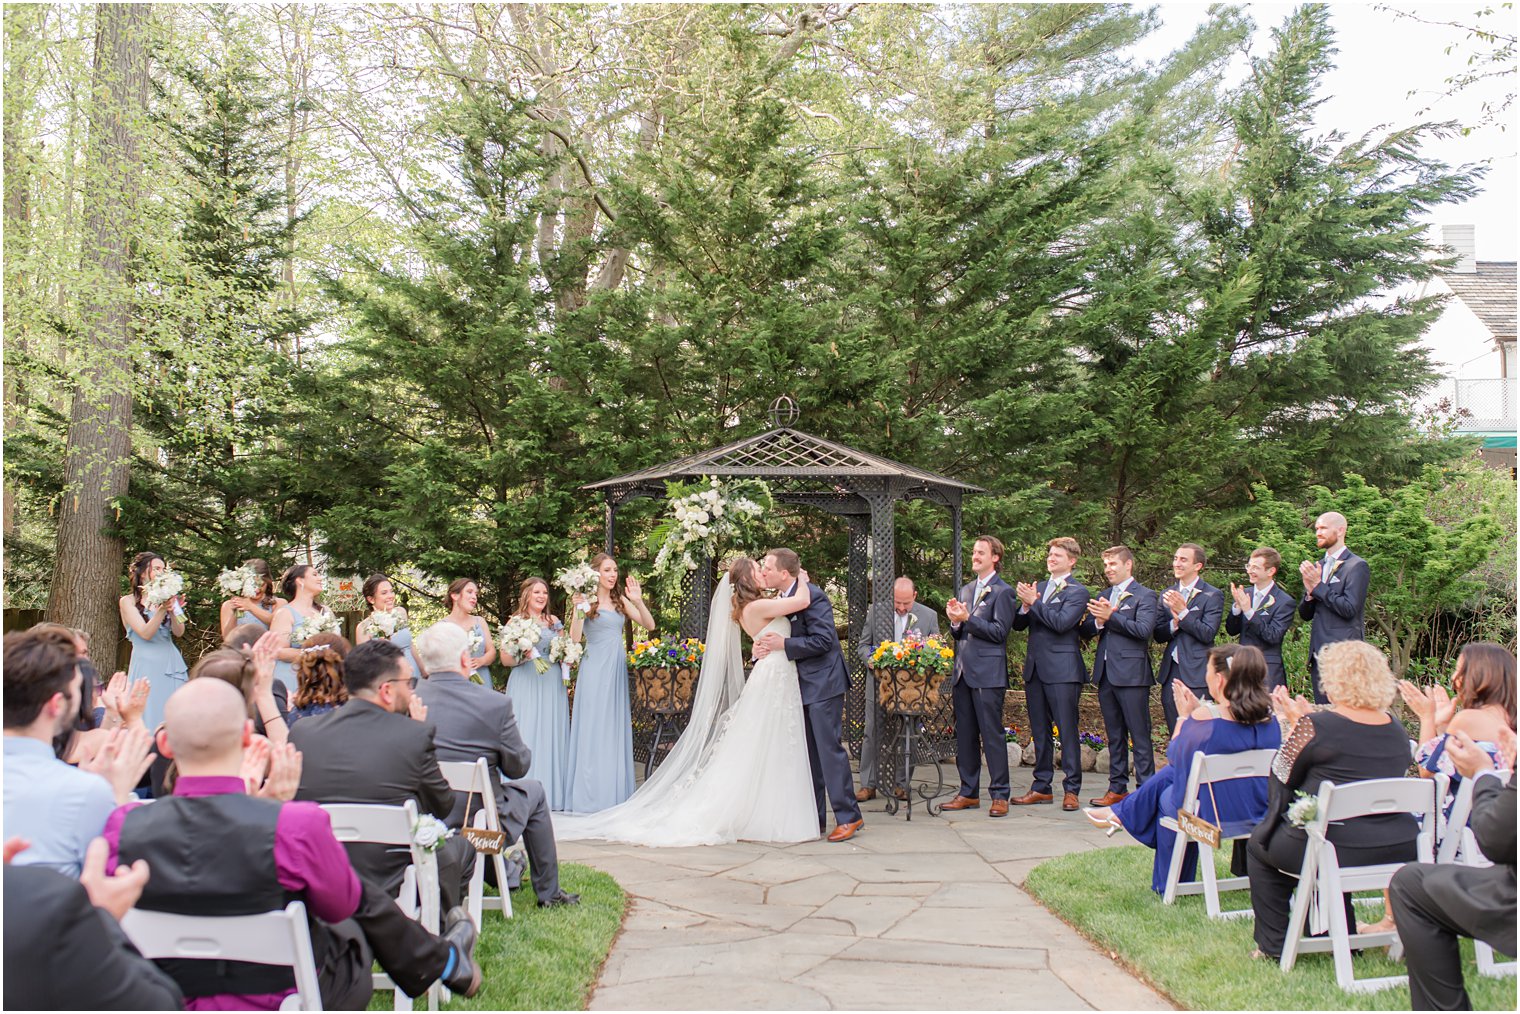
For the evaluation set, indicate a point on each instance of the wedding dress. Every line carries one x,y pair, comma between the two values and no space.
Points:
740,770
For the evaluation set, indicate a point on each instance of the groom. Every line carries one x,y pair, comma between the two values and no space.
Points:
814,646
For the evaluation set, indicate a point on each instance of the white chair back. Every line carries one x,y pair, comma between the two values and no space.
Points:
1206,770
375,824
475,777
270,938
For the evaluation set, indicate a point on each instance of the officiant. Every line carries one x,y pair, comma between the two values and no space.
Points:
909,618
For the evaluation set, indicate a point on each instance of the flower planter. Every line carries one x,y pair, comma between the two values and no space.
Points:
664,691
907,691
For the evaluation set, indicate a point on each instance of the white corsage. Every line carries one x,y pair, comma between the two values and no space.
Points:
430,833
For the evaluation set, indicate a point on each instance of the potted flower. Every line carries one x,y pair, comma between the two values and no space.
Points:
1092,747
908,674
665,673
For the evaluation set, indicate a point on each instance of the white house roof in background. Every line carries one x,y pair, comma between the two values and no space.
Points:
1490,293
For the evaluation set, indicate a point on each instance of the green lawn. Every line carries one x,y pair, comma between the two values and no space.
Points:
1202,964
542,958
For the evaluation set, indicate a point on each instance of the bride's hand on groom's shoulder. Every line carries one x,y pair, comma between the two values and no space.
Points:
802,577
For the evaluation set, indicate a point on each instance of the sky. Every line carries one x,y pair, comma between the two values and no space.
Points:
1382,59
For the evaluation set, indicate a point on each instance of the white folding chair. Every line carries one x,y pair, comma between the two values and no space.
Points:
1210,769
1460,845
1323,883
373,824
475,777
270,938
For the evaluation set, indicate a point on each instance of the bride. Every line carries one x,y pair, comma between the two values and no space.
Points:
740,770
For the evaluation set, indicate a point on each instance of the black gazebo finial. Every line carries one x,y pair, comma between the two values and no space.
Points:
784,411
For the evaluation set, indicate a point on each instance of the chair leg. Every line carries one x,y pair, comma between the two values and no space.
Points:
1297,917
1210,880
1174,871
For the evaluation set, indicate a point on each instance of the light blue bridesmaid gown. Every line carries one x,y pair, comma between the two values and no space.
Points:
601,730
285,672
484,672
403,640
542,706
244,616
159,660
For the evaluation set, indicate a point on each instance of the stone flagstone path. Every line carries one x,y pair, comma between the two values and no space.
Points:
923,915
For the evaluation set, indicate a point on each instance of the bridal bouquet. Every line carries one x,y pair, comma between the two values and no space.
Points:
579,580
702,514
385,622
163,588
518,637
567,653
239,581
323,621
931,657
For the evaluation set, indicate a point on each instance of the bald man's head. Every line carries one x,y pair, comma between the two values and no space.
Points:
205,726
903,595
1329,529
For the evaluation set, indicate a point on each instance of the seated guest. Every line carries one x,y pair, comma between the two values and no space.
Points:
1240,719
58,808
252,670
1484,707
319,678
377,748
1354,740
1437,904
216,850
52,921
474,721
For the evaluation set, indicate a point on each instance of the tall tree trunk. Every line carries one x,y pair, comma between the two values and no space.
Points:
17,215
88,565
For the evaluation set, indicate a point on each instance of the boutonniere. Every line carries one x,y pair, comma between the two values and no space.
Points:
1335,565
1267,604
1187,596
1122,596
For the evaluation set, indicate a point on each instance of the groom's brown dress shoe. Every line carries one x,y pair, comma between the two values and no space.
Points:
1069,802
844,832
1031,797
1108,798
962,803
864,795
999,808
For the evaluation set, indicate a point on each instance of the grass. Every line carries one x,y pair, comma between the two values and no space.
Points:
542,958
1202,964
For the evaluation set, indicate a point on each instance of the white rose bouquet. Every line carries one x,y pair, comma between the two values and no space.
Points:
163,588
579,580
321,622
385,622
1303,810
518,637
239,581
567,653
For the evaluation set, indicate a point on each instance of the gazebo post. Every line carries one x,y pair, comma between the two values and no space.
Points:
955,546
611,523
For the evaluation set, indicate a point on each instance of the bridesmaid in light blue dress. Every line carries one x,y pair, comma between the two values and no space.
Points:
258,610
540,700
152,633
601,727
301,585
380,593
463,599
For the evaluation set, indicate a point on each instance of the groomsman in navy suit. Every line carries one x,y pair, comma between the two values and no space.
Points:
1190,616
979,622
1052,612
1123,618
1263,612
1335,593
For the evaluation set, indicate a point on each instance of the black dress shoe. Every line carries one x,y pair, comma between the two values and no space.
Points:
562,898
465,979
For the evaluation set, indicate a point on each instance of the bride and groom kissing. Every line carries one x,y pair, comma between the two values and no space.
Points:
759,758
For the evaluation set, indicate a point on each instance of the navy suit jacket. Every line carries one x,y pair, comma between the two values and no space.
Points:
1055,636
1336,607
1194,637
1267,628
814,646
981,643
1124,643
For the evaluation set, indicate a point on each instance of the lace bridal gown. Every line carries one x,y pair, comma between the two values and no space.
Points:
740,770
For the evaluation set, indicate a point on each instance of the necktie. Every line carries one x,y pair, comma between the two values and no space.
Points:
1326,567
1256,597
1113,594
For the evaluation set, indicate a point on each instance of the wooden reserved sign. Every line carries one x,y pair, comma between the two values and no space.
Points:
1198,829
489,842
